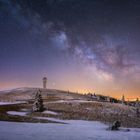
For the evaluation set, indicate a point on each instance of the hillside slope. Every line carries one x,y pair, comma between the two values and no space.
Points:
29,93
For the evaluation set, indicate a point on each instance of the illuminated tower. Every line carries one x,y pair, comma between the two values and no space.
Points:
44,82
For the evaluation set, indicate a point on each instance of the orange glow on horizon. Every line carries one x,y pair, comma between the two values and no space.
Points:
78,88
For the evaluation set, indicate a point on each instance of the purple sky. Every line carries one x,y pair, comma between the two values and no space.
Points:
80,45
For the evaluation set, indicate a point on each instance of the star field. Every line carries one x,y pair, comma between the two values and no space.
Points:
80,45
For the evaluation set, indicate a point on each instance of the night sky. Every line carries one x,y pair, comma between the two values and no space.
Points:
79,45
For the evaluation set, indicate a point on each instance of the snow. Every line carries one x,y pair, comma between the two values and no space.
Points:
71,101
50,112
16,113
74,130
11,103
25,109
15,89
52,119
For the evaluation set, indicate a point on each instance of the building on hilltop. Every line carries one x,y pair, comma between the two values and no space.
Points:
44,82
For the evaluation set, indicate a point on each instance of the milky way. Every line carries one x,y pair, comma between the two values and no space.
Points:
94,41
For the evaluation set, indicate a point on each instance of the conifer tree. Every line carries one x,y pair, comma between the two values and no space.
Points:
38,103
137,105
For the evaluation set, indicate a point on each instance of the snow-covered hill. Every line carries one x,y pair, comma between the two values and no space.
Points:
69,106
29,93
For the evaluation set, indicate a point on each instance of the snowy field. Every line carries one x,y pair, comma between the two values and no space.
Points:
50,112
12,103
16,113
74,130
